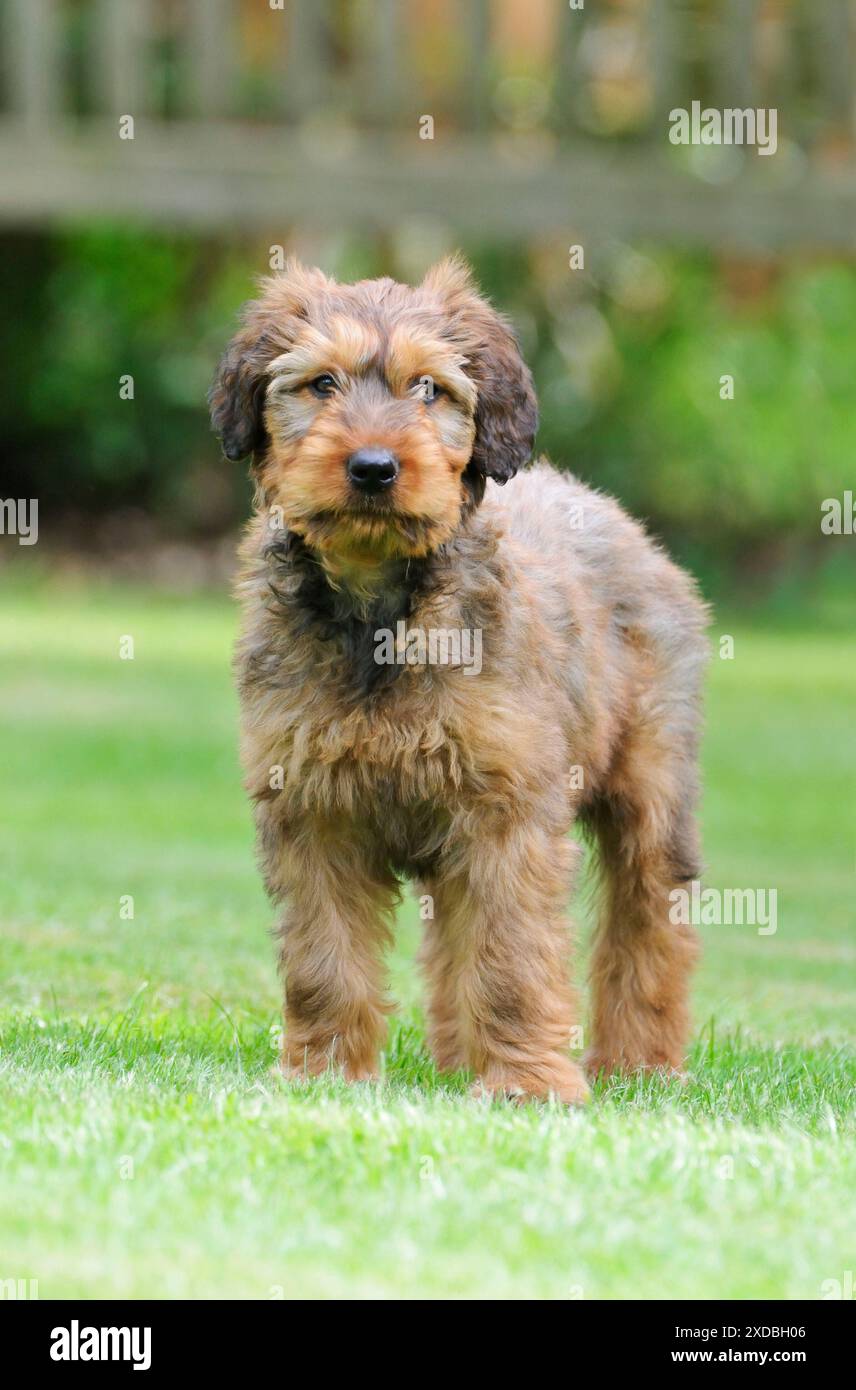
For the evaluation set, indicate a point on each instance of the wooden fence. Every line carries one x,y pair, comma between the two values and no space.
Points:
517,117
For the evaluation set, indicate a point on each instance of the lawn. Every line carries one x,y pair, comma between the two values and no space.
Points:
145,1149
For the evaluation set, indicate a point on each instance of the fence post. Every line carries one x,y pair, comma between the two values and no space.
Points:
211,44
121,58
33,72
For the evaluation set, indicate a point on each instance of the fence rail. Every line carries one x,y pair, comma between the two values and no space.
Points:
546,117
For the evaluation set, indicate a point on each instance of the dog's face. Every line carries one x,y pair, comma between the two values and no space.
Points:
374,411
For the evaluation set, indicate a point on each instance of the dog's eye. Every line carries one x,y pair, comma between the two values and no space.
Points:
323,385
427,389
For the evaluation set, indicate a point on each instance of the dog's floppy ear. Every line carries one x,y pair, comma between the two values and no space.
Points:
270,325
507,410
235,399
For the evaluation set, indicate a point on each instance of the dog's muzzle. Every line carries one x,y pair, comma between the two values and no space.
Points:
372,471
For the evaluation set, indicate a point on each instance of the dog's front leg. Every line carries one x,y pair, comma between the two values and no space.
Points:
335,926
501,898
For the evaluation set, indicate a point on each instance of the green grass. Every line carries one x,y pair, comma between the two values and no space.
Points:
145,1149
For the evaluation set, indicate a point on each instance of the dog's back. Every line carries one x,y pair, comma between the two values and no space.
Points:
633,620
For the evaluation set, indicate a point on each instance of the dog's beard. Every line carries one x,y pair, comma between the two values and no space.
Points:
373,530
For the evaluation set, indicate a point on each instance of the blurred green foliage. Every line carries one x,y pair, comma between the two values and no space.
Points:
628,355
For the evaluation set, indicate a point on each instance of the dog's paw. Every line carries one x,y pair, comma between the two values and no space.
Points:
296,1075
563,1082
605,1065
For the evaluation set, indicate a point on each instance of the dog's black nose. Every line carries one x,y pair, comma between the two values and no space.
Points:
372,470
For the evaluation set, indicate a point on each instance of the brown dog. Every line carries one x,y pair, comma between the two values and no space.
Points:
382,557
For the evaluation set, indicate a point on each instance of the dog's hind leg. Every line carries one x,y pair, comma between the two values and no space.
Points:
642,959
438,962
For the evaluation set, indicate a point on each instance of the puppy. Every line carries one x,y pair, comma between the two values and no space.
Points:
383,422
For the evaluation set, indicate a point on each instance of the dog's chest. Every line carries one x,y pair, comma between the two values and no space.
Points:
400,747
433,738
403,760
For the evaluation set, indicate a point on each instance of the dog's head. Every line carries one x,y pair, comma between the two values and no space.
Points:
374,412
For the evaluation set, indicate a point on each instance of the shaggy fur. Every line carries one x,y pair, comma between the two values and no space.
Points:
586,706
